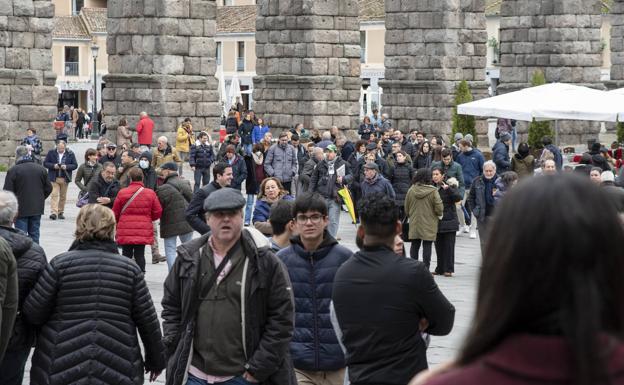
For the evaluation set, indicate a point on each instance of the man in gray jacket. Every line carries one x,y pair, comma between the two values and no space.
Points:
281,161
8,284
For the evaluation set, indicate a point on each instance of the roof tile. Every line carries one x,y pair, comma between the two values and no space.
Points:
69,27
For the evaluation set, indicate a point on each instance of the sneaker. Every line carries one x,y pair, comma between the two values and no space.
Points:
457,234
53,217
473,235
158,258
61,216
466,229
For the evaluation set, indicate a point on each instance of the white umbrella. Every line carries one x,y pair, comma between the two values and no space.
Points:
223,98
235,91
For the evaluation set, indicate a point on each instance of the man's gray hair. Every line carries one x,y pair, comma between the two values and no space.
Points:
489,163
326,135
20,152
164,139
8,208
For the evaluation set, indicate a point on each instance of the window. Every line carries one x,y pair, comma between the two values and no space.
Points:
228,2
240,57
72,62
219,52
77,6
362,46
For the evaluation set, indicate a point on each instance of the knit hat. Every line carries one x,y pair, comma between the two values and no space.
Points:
459,136
169,166
332,148
148,155
469,138
607,176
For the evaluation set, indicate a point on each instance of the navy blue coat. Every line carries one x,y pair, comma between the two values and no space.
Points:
202,156
500,156
69,160
262,211
472,165
239,169
314,345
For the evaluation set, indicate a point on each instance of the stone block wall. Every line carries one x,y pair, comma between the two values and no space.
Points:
28,96
430,47
308,63
560,38
162,60
617,40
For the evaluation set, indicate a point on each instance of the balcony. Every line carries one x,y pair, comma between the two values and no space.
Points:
240,64
72,68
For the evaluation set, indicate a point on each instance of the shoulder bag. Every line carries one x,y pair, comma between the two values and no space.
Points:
136,193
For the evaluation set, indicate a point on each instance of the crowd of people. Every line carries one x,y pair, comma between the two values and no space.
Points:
267,294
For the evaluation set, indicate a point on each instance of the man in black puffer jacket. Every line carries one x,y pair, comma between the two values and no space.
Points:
312,261
31,261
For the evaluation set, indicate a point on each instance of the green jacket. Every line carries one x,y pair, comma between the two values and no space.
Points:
424,207
174,196
454,170
8,294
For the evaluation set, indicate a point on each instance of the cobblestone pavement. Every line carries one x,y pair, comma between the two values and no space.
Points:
56,236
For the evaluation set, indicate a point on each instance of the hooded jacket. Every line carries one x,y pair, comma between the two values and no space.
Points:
314,346
174,196
523,165
89,303
500,156
245,130
31,261
267,311
424,207
472,165
449,222
202,156
401,180
281,162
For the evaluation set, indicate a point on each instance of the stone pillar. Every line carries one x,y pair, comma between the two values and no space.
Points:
617,41
28,96
162,60
430,47
560,38
308,63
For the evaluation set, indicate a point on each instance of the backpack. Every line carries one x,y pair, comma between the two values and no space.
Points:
230,126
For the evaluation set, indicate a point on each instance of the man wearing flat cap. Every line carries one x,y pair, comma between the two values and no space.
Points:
375,182
228,306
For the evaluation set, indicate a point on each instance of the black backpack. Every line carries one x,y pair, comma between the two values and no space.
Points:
230,126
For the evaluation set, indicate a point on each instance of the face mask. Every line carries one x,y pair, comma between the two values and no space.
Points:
144,164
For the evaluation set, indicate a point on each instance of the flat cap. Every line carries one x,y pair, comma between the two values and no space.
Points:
371,146
372,166
224,199
169,166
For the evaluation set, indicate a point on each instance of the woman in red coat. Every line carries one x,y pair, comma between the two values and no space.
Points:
135,208
549,304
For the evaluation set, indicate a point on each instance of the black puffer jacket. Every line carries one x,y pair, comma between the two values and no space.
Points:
269,308
31,261
401,180
89,303
195,213
174,196
449,222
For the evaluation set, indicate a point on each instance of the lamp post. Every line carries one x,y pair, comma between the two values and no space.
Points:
95,134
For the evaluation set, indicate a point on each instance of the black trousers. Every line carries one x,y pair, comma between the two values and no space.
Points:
287,186
426,250
445,250
137,252
483,228
12,366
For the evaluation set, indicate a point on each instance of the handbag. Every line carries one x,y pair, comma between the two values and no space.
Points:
83,199
405,229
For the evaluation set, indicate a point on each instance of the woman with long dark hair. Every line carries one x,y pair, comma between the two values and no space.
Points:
423,159
424,208
449,224
549,304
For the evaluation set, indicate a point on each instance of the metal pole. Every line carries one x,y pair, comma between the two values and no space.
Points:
95,134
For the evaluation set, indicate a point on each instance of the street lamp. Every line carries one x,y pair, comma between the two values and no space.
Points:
95,134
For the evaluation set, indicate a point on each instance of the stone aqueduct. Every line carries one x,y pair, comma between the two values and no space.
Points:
162,60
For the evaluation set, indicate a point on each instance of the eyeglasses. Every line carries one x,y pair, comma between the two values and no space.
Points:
315,219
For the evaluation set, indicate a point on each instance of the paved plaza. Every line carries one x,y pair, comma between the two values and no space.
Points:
56,237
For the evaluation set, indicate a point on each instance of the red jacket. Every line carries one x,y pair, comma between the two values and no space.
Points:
528,360
145,129
134,226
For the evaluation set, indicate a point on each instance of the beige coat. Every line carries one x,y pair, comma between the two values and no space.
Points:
425,208
124,135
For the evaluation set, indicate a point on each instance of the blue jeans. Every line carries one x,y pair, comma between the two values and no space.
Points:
192,380
202,177
251,198
170,247
29,225
248,148
333,208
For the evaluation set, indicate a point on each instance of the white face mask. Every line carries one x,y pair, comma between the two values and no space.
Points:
144,164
